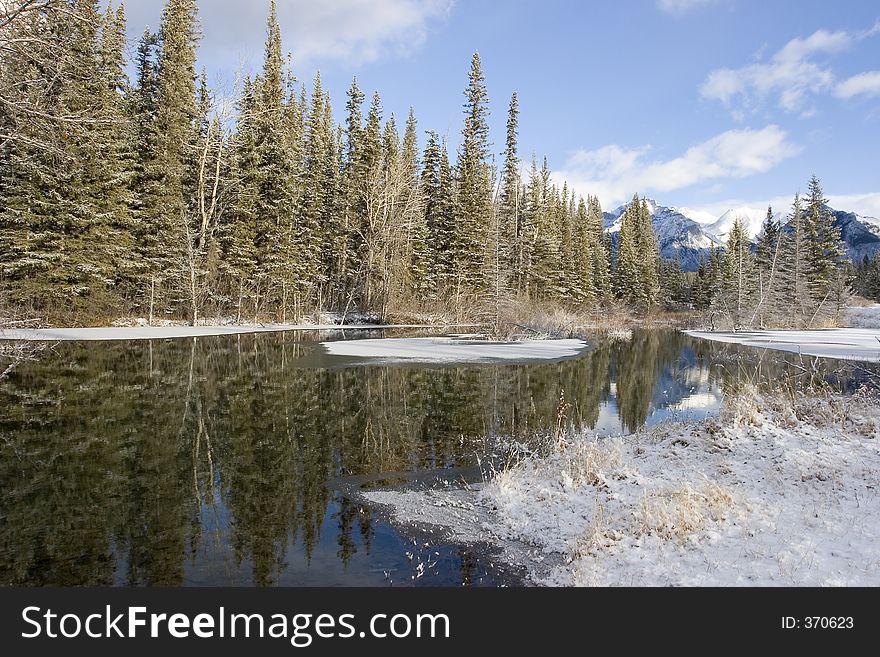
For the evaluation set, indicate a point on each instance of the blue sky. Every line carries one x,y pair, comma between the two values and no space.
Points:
707,104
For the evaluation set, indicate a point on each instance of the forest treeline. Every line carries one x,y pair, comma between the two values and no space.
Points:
158,197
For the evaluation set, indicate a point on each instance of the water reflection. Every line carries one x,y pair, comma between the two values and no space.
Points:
204,461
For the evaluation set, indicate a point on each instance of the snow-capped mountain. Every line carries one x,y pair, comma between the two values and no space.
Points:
679,237
687,235
861,235
750,219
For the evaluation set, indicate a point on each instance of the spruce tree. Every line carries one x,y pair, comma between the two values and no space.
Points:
435,244
824,249
599,252
628,271
510,225
474,205
165,204
738,278
649,252
274,209
793,271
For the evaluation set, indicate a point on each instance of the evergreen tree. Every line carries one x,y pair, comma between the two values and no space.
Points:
737,283
824,249
316,210
238,230
474,205
169,167
649,251
599,252
509,238
435,244
637,275
275,173
769,250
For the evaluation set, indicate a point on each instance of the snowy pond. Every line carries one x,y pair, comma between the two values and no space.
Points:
236,460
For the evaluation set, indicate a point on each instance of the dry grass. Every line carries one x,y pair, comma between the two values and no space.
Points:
676,514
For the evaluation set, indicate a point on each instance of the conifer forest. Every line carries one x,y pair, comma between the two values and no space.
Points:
157,197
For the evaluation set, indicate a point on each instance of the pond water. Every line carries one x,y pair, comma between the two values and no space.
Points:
230,460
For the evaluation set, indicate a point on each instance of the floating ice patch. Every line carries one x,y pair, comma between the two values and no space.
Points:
162,332
450,350
845,344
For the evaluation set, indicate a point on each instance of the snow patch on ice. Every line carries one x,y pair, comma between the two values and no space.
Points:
453,350
844,343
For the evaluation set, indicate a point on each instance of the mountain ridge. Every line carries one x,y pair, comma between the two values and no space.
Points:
688,236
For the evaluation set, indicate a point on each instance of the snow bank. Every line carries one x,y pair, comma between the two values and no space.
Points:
772,495
845,344
453,350
160,332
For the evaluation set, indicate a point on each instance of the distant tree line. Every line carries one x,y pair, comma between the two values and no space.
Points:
158,198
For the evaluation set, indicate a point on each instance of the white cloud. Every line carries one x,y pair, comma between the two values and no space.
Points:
790,78
867,84
614,173
867,205
679,7
351,31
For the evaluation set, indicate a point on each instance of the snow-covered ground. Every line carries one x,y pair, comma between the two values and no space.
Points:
846,343
173,331
454,350
775,493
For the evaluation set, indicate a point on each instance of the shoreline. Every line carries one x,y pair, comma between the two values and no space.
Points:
118,333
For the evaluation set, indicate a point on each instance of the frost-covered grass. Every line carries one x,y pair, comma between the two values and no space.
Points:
778,491
867,317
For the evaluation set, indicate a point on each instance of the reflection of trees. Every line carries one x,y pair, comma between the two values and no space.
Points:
115,456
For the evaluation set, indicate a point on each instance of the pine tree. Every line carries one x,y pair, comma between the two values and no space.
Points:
510,226
435,244
165,204
649,252
412,210
793,270
353,181
736,296
824,249
769,251
474,205
599,251
275,202
238,230
545,256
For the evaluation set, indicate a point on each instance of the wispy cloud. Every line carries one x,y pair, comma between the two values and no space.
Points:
678,7
863,84
791,78
358,31
350,31
615,173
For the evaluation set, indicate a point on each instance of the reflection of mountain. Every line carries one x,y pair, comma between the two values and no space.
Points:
205,460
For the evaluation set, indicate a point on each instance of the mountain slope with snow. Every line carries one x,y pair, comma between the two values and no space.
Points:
688,235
